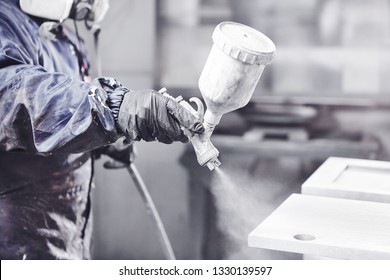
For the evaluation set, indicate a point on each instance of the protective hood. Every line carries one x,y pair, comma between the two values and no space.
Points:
59,10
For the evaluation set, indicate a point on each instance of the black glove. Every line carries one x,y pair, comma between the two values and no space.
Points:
150,116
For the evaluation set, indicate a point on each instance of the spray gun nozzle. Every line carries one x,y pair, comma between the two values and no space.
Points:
205,151
214,163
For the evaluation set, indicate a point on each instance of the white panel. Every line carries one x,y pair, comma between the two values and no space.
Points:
329,227
351,178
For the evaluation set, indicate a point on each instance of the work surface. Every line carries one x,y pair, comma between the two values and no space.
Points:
328,227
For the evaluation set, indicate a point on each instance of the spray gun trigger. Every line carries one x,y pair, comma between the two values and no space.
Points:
200,108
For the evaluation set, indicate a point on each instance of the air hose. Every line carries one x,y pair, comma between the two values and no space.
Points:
152,211
138,181
149,204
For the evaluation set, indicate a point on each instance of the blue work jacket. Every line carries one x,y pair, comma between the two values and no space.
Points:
51,120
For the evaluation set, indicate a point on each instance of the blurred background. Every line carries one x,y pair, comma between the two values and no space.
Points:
327,93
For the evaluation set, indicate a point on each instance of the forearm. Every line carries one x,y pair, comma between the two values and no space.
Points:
45,113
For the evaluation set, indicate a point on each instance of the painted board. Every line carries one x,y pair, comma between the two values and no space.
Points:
325,226
351,178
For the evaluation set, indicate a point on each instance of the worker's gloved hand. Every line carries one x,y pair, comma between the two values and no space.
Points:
151,116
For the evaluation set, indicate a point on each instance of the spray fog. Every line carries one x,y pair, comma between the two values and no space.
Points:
243,200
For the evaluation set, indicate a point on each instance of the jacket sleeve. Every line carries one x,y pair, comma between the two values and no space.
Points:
45,112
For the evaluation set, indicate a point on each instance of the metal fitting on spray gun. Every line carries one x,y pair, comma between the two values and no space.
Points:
205,151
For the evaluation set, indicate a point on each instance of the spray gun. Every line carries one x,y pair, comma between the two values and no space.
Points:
227,82
205,151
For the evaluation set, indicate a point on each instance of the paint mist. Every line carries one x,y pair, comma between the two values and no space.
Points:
243,202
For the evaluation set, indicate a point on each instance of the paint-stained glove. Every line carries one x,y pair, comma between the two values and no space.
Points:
150,116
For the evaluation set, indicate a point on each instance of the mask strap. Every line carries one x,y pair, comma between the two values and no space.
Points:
96,34
83,65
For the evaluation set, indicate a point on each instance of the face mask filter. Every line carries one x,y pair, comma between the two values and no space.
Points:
99,10
59,10
48,9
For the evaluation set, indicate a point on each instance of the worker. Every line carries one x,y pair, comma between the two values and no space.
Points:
52,118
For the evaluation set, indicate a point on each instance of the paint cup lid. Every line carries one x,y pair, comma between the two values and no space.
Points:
244,43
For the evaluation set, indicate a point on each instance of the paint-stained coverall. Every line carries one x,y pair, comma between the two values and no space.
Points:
51,120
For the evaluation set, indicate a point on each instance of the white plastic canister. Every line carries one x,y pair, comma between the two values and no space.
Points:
233,68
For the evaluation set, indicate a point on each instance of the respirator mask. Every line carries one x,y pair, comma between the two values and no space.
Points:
56,11
90,11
